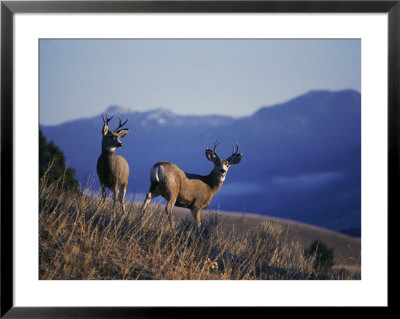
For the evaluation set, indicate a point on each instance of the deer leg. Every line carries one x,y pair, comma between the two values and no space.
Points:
196,212
103,193
150,195
168,210
122,192
115,196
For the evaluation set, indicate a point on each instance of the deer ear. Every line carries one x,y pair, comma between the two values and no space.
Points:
235,159
122,133
211,156
105,129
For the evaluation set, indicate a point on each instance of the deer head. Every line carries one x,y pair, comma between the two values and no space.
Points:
111,139
221,166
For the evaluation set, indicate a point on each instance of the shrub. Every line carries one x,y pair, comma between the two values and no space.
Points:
52,166
323,256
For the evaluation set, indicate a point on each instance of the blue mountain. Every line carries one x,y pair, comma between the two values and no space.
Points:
301,158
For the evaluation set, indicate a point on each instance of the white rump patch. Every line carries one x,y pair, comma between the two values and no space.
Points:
157,174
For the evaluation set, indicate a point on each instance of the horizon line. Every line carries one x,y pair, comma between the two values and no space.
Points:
161,108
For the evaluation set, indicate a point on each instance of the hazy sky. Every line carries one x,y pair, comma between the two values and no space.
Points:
81,78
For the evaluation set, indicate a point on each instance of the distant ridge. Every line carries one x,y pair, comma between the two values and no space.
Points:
302,158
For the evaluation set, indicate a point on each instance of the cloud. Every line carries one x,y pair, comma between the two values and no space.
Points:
306,181
242,188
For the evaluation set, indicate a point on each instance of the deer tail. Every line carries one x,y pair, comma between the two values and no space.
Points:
156,174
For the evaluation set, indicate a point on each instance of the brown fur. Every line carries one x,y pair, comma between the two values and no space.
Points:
188,190
113,170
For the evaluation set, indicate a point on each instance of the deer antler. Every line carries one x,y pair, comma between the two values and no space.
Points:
235,157
211,154
233,148
121,124
215,145
108,119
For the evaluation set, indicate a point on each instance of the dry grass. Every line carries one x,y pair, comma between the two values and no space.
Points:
347,249
81,238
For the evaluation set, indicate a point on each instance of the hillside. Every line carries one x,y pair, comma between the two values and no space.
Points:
301,158
83,238
347,249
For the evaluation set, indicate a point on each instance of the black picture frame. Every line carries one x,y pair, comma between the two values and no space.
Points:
9,8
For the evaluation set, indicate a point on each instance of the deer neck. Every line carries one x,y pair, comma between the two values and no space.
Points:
107,154
214,181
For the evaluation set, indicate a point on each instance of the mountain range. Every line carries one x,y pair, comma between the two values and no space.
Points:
301,158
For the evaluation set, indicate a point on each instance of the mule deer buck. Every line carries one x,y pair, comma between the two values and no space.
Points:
113,170
189,190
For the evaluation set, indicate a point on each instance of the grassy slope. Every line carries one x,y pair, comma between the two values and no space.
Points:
81,238
347,249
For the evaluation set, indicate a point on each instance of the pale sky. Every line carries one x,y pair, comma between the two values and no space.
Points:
81,78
